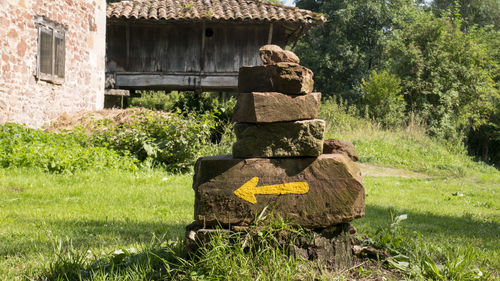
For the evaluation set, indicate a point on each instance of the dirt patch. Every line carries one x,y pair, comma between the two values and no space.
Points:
379,171
90,119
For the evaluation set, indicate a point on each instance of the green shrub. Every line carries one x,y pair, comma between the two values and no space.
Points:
207,103
187,102
220,107
224,143
167,139
382,95
50,152
155,100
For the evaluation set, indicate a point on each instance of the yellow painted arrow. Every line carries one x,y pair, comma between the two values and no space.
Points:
248,190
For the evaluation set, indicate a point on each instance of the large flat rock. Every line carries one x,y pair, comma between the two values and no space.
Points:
282,139
258,107
314,192
283,77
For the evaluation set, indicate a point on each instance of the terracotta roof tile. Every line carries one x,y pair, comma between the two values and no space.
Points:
211,10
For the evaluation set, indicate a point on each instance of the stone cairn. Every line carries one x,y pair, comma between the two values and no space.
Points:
278,162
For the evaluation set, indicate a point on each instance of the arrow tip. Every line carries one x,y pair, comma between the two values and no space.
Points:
247,190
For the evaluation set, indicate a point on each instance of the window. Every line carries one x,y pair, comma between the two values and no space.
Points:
51,50
209,32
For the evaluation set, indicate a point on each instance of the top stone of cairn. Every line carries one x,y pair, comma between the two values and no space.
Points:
273,54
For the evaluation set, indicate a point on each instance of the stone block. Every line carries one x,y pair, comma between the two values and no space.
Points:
338,146
331,247
272,54
260,107
282,139
283,77
313,192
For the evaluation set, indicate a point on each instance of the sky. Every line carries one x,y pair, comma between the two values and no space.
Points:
288,2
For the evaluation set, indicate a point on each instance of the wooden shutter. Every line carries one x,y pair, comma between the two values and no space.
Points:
59,51
45,51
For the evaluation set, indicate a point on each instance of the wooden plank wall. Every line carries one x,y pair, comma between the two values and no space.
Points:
233,46
177,47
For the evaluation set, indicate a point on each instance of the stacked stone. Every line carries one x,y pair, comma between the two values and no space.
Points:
278,159
276,109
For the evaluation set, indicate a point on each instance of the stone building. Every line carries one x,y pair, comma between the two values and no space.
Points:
52,58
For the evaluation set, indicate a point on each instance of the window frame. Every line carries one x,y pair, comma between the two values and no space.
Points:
56,30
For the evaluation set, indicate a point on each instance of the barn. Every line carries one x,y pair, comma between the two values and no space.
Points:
194,44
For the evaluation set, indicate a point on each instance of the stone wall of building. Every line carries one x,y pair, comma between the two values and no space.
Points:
24,98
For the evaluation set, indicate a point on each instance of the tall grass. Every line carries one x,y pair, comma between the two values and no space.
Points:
406,146
225,256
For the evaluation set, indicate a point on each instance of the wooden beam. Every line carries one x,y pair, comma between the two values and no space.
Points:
127,38
202,55
158,81
116,92
270,35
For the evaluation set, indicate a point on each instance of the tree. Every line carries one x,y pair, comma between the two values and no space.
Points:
382,95
447,74
346,48
474,12
448,66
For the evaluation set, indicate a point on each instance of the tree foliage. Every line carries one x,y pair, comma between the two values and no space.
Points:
444,53
474,12
345,49
447,74
382,95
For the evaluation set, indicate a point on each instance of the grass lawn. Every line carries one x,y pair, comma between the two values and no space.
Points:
111,210
102,211
452,205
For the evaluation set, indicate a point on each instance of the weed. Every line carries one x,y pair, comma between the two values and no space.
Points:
49,152
224,257
411,255
165,139
68,262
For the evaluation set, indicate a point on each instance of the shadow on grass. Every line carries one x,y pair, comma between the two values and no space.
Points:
90,233
123,229
432,225
156,260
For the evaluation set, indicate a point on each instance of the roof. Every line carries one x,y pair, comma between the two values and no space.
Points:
211,10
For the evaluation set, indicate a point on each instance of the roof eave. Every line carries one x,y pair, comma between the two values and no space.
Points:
132,20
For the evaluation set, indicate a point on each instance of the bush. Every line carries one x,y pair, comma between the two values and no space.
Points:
221,108
383,98
155,100
225,142
187,102
50,152
171,140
